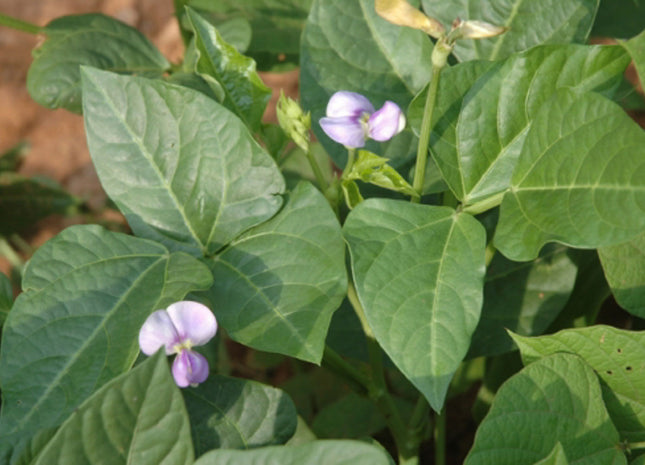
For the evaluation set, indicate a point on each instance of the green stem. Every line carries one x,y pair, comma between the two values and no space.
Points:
19,24
320,178
12,257
351,155
440,438
484,205
424,135
356,379
489,253
420,415
635,445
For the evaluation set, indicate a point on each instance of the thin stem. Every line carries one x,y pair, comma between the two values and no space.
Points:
424,135
440,438
636,445
420,415
484,205
320,178
356,379
19,24
12,257
489,253
351,155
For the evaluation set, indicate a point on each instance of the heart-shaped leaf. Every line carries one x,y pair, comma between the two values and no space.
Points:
556,399
419,273
277,286
138,418
580,179
616,356
244,92
311,453
87,293
183,169
229,413
529,23
347,46
54,78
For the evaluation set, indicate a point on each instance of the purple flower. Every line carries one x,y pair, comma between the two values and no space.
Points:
351,119
178,328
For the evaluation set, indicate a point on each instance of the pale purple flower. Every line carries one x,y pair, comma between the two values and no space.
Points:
180,327
351,119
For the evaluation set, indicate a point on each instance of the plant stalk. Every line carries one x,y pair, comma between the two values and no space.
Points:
19,25
351,155
320,178
10,254
440,438
335,363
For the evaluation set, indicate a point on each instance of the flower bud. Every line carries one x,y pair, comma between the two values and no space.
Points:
474,29
293,121
401,13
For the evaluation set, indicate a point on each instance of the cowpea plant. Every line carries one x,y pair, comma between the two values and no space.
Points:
489,197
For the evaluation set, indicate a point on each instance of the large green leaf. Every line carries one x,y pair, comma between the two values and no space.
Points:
277,285
24,201
523,297
245,93
556,399
54,78
311,453
616,356
624,266
556,457
529,23
347,46
419,274
6,297
498,111
636,48
138,418
229,413
183,169
86,294
580,179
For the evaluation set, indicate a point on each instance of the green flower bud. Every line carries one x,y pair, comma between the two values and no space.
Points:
293,121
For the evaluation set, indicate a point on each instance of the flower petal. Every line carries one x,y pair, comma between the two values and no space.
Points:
344,130
189,368
345,103
193,321
157,331
386,122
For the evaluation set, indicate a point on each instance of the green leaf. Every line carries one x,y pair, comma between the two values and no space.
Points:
209,179
640,460
556,399
523,297
580,179
30,449
6,297
311,453
137,418
277,285
11,159
245,93
556,457
624,266
229,413
529,23
372,169
75,327
616,356
24,201
351,417
499,110
54,78
619,19
347,46
419,274
636,48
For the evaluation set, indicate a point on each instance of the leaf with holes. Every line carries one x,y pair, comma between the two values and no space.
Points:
555,399
183,169
580,179
347,46
137,418
75,327
419,273
617,357
54,78
229,413
277,286
529,23
244,92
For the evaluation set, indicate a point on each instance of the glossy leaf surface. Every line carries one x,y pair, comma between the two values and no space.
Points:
419,273
616,356
54,78
138,418
277,285
75,327
183,169
229,413
529,23
580,179
347,46
555,399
